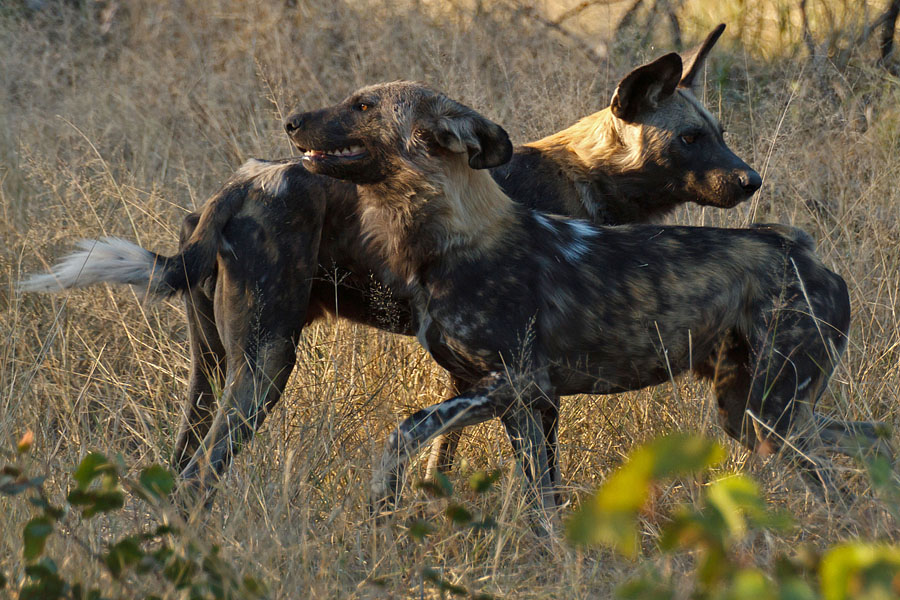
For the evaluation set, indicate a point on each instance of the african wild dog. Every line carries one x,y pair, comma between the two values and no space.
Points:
529,306
248,261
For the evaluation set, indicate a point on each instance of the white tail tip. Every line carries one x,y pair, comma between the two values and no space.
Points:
110,260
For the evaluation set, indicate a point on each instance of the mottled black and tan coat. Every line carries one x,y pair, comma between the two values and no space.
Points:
279,247
526,306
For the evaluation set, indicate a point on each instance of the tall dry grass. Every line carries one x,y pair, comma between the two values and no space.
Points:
120,122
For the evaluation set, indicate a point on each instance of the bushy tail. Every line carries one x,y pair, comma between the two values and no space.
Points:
114,260
108,260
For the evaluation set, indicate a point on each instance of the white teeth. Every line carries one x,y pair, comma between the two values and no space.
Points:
343,152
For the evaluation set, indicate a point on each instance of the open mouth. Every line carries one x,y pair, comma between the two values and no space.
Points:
349,152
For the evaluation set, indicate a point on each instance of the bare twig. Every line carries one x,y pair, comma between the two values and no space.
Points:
555,26
581,7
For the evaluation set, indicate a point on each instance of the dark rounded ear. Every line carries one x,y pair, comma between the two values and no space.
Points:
645,87
693,62
458,128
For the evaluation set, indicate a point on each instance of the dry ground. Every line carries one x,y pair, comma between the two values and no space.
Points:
119,122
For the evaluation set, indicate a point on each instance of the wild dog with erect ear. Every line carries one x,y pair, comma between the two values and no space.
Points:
531,306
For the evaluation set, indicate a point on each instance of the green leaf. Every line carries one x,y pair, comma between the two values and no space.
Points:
481,481
42,568
683,453
458,514
442,584
45,584
609,517
795,588
122,555
179,571
157,481
736,498
439,487
96,501
35,537
750,584
646,588
79,592
12,482
484,524
253,587
857,570
91,467
419,529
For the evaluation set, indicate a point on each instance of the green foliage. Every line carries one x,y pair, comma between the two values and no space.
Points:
458,516
609,517
157,481
35,536
164,553
731,510
860,571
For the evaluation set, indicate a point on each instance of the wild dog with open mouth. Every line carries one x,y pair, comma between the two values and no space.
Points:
529,306
248,262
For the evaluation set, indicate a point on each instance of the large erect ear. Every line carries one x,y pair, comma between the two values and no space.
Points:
645,87
459,129
693,62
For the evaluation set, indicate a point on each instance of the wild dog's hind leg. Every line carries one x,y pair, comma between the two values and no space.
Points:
261,300
731,375
729,370
492,397
803,340
207,365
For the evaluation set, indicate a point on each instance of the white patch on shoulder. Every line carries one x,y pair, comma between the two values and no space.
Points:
583,228
575,249
270,177
544,222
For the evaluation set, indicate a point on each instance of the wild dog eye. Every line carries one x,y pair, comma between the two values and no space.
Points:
361,106
689,138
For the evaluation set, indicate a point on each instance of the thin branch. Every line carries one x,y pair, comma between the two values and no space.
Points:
581,7
580,43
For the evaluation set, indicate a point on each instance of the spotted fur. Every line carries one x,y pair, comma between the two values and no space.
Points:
550,306
253,256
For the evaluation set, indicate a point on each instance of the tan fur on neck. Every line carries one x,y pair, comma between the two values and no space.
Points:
598,139
473,207
440,206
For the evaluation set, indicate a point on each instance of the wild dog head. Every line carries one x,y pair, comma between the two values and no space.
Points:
378,130
420,159
656,135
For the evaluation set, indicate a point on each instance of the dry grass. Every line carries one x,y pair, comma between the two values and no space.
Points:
122,129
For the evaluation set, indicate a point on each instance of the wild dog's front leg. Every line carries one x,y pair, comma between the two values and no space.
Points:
525,427
485,400
443,448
